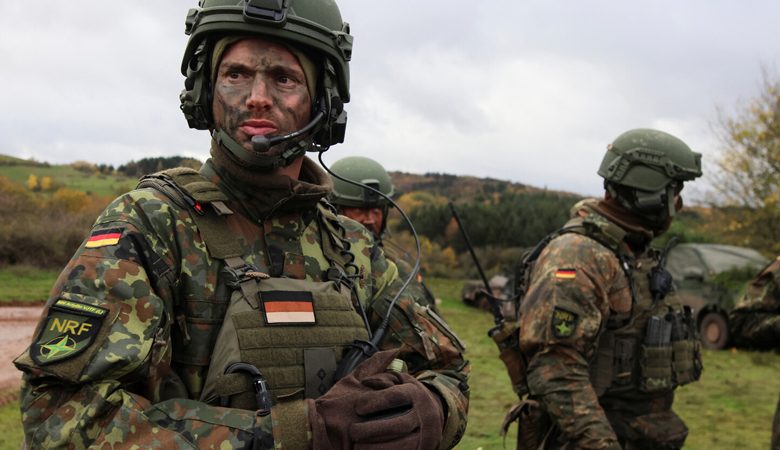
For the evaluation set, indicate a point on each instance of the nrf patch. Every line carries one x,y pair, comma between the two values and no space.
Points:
563,323
69,328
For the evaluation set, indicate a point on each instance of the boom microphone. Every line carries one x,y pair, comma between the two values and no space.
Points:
261,144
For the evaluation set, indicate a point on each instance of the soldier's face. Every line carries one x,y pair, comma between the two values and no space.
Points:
260,89
371,218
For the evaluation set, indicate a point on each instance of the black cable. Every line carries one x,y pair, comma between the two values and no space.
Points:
379,333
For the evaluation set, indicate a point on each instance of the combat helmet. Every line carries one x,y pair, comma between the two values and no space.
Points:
313,26
365,171
644,168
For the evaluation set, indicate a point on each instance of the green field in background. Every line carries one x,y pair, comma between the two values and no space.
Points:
67,176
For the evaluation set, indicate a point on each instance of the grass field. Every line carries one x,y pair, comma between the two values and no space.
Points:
98,184
730,408
25,284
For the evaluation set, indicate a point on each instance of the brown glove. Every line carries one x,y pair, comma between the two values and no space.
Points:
373,408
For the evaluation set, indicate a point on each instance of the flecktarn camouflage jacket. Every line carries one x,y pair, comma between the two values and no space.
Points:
113,362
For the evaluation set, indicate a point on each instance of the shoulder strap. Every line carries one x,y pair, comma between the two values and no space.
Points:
191,190
593,226
610,236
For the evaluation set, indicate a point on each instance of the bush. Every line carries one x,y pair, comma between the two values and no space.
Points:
40,230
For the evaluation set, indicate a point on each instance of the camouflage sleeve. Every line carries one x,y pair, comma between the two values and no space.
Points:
432,351
101,354
755,322
561,316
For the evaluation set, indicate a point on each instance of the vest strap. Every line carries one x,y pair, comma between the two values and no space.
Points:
187,187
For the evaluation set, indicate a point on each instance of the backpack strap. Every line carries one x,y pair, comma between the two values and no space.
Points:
593,226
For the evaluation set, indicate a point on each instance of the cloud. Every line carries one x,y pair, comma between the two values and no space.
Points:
529,91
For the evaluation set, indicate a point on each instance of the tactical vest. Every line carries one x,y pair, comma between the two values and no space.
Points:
653,349
291,330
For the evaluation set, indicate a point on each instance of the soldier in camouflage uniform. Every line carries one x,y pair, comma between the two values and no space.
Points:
213,309
371,209
605,347
755,322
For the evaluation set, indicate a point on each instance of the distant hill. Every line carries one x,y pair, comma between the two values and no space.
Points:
7,160
146,166
98,179
463,187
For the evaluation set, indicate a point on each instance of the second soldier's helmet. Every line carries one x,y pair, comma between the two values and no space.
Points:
313,26
644,169
365,171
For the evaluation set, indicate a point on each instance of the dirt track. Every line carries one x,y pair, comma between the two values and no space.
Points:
16,329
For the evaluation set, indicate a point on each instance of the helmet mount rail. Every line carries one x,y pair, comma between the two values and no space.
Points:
266,10
618,168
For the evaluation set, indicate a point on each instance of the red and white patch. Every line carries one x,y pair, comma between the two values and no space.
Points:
288,307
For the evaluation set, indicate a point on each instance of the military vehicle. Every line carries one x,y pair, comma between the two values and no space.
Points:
473,292
698,270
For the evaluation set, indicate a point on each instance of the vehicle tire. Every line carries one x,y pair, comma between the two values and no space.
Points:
714,330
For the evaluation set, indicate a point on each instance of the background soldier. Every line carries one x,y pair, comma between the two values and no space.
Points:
212,309
606,340
371,210
755,322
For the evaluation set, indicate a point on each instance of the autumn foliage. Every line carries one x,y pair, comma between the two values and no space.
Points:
747,183
43,229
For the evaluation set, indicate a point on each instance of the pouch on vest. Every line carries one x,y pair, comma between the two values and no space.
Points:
686,347
293,331
655,360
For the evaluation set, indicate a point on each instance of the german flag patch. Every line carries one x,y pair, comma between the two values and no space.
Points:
565,274
288,307
103,238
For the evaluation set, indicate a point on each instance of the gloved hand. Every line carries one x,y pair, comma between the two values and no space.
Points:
374,408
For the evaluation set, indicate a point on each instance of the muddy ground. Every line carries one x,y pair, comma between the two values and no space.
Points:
16,330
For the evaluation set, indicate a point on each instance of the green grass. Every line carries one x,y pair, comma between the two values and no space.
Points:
67,176
733,404
25,284
10,427
491,393
730,407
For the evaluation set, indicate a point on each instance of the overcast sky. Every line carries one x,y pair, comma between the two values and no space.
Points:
528,91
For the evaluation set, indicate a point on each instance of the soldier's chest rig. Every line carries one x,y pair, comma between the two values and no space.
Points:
279,333
654,347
